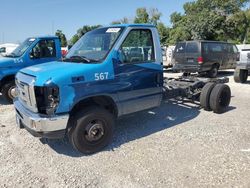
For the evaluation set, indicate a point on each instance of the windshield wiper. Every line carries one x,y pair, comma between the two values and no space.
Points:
11,55
81,58
77,58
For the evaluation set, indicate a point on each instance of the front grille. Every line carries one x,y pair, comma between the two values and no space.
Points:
26,94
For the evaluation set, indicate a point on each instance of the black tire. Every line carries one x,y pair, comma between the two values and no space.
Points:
220,98
92,130
240,75
213,72
6,91
205,95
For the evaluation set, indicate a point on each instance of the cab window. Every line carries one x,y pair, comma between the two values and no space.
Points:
180,48
230,48
192,47
205,48
215,48
235,49
138,47
44,49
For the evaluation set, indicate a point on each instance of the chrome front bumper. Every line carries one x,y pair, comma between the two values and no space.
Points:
38,125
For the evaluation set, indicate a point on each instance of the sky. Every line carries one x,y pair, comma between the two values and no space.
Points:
25,18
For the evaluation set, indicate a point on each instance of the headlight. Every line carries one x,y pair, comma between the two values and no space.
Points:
47,99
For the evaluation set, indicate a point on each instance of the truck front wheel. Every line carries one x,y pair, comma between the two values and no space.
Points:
92,130
8,91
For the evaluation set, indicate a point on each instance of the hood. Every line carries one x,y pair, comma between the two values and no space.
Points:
6,62
60,73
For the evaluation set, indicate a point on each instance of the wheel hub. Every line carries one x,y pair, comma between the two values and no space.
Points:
12,92
95,131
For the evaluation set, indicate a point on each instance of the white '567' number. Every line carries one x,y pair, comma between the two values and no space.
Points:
101,76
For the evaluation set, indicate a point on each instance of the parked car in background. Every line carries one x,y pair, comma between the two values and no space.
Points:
64,51
7,48
242,70
204,56
242,47
167,53
164,54
32,51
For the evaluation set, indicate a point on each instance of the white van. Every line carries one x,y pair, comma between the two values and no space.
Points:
7,48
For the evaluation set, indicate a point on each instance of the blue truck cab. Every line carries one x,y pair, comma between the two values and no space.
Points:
108,73
32,51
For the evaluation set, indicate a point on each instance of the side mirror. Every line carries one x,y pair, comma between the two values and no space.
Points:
120,55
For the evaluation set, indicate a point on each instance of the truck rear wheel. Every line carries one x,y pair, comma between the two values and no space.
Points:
8,91
220,98
92,130
205,95
240,75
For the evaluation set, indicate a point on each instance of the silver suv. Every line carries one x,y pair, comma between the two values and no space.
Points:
243,67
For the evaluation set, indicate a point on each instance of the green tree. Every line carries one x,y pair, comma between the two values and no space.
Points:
154,16
210,20
142,16
151,16
180,30
175,18
74,39
62,38
247,32
124,20
237,25
163,32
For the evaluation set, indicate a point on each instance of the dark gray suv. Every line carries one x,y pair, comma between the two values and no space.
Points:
204,56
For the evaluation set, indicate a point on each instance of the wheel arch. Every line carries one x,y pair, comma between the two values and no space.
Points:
102,100
216,65
6,79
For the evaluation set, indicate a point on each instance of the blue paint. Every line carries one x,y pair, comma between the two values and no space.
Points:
133,87
9,66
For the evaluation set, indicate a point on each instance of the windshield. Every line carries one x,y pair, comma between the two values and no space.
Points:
19,51
95,45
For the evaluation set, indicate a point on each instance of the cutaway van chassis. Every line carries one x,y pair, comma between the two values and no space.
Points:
212,93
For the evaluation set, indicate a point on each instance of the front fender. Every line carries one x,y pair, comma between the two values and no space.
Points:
72,94
112,97
8,72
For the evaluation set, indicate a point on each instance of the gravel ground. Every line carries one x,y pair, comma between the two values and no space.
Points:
176,145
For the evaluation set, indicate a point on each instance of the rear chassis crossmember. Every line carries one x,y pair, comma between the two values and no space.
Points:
188,87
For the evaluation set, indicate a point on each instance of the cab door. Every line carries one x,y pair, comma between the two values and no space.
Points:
138,73
44,51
